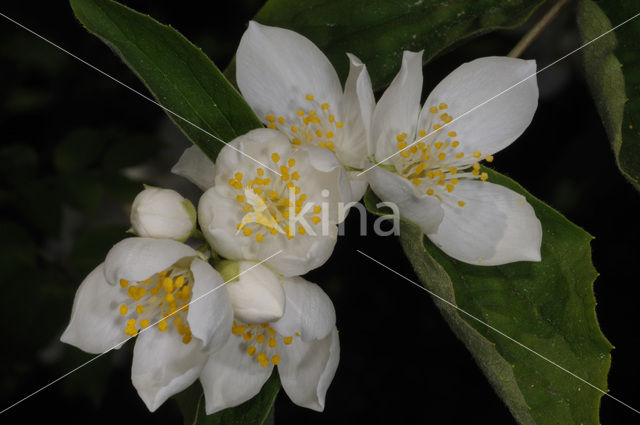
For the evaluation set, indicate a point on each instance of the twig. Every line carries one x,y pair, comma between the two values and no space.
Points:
534,32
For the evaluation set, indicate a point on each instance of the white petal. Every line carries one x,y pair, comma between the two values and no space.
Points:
426,211
96,325
257,296
163,366
210,314
137,259
307,369
398,108
496,225
218,216
352,142
308,310
494,125
276,68
196,167
299,255
358,184
325,176
231,376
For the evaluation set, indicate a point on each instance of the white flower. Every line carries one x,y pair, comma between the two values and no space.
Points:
303,344
162,213
292,87
437,182
143,281
251,212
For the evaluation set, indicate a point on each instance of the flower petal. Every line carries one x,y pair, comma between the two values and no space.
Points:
95,325
307,369
196,167
305,254
218,217
398,108
210,315
325,182
137,259
358,184
426,211
257,296
276,68
498,122
496,226
163,365
232,377
357,107
308,310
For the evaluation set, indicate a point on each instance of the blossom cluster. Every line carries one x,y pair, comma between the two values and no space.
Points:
230,311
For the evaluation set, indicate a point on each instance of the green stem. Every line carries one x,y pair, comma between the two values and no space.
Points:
534,32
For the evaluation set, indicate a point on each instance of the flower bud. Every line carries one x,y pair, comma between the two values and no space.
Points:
162,213
256,293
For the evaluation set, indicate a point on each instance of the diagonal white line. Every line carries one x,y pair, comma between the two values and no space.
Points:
502,92
141,330
136,92
498,331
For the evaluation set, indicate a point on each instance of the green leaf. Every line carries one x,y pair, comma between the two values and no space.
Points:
612,69
548,306
256,411
377,31
180,76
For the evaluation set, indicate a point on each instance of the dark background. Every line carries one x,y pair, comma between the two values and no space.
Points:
75,147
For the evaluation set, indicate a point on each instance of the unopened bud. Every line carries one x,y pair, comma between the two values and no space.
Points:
162,213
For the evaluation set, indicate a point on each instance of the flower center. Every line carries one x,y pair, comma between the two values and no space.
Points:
162,298
315,126
436,164
262,341
272,203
